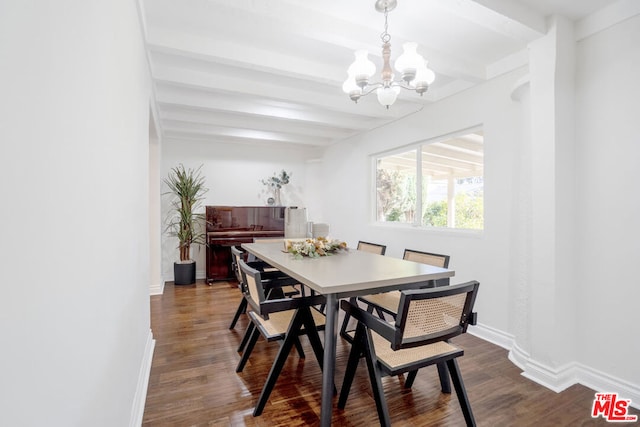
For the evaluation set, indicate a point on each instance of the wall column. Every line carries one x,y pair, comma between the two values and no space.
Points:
549,347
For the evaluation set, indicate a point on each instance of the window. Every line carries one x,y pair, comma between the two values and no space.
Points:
396,179
434,184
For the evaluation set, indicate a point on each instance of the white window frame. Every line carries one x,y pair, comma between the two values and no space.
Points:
417,222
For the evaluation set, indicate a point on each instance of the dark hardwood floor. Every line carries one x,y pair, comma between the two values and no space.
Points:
193,380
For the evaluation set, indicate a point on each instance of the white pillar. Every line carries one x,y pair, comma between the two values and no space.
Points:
550,317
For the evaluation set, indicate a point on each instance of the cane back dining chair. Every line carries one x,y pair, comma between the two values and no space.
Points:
373,248
236,254
277,283
387,303
285,320
426,320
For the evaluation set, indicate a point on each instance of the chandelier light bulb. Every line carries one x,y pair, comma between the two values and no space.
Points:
352,89
362,68
409,61
424,77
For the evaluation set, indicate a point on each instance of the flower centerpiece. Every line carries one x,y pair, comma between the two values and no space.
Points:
315,248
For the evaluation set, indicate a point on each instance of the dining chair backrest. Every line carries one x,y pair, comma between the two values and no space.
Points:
437,260
236,256
430,315
254,289
373,248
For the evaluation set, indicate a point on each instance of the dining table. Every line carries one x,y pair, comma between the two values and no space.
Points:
344,274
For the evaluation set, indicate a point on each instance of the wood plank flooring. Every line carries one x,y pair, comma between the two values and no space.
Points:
193,380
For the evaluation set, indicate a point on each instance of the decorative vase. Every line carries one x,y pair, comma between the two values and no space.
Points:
276,196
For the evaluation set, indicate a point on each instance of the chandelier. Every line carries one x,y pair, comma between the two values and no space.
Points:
412,66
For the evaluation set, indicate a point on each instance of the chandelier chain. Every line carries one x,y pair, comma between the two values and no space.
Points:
385,36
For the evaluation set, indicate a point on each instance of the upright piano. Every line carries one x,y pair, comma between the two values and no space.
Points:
233,225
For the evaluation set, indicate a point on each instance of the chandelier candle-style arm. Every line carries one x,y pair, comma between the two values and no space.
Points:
415,75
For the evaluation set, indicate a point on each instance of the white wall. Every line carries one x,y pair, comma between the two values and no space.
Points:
608,156
233,172
74,314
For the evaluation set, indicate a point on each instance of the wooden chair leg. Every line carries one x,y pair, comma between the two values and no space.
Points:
312,334
276,368
376,382
411,377
345,322
443,373
245,338
241,309
298,345
461,392
352,365
247,352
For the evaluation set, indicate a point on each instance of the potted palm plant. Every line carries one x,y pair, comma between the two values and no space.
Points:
187,188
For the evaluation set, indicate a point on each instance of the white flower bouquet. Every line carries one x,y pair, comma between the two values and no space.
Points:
315,248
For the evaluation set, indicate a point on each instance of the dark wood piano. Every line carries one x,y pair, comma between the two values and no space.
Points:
233,225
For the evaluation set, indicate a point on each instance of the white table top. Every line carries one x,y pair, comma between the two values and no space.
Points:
349,272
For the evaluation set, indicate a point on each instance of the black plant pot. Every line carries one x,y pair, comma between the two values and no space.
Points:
184,273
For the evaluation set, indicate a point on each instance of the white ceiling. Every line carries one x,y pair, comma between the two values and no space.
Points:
271,71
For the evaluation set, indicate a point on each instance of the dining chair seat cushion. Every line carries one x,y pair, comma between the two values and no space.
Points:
388,301
399,360
278,323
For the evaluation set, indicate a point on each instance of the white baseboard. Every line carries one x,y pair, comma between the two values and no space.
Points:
137,410
492,335
557,379
601,382
157,288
